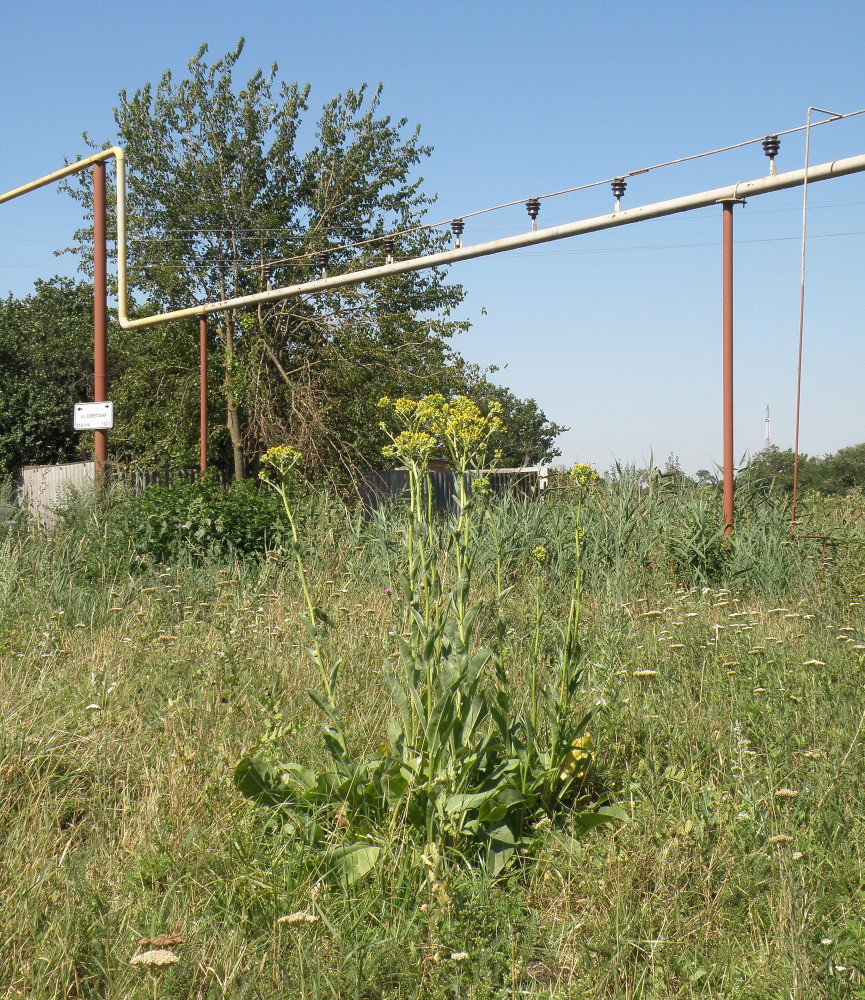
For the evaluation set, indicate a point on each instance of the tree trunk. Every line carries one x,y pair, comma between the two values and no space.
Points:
233,424
232,414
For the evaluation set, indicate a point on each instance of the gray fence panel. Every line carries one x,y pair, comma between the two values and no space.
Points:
45,487
378,487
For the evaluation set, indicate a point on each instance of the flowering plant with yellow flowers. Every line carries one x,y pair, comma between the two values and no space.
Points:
471,764
584,475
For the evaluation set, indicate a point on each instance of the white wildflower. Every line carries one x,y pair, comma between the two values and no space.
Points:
155,958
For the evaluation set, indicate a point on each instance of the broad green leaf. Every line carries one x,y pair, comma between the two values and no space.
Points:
502,833
322,616
492,812
399,698
462,802
333,679
394,786
324,703
304,776
583,822
260,782
351,863
615,812
396,736
502,844
498,858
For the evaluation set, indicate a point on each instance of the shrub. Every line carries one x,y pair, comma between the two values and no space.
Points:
200,518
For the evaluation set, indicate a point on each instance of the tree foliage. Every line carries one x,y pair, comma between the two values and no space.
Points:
772,469
528,437
231,187
46,366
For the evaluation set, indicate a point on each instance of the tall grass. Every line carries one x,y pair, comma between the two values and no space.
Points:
722,675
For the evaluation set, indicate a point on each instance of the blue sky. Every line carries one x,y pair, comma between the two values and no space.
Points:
616,335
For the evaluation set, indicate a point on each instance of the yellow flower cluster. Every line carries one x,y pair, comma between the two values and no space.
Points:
282,459
458,426
402,408
411,446
466,427
584,475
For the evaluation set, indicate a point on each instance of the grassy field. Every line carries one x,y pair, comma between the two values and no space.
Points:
727,686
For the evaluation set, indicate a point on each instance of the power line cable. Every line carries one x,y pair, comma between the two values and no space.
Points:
580,187
7,262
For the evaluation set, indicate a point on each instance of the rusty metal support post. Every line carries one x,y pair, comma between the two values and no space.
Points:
727,315
202,355
100,311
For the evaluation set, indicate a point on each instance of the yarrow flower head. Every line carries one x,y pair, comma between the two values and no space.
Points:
786,793
156,958
301,917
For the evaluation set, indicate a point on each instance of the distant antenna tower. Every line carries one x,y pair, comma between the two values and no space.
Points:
767,436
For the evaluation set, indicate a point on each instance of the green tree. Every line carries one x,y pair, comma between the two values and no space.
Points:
217,189
223,199
46,366
772,469
155,390
528,437
705,477
842,471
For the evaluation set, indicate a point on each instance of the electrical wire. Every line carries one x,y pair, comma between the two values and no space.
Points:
177,235
538,252
306,258
572,190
